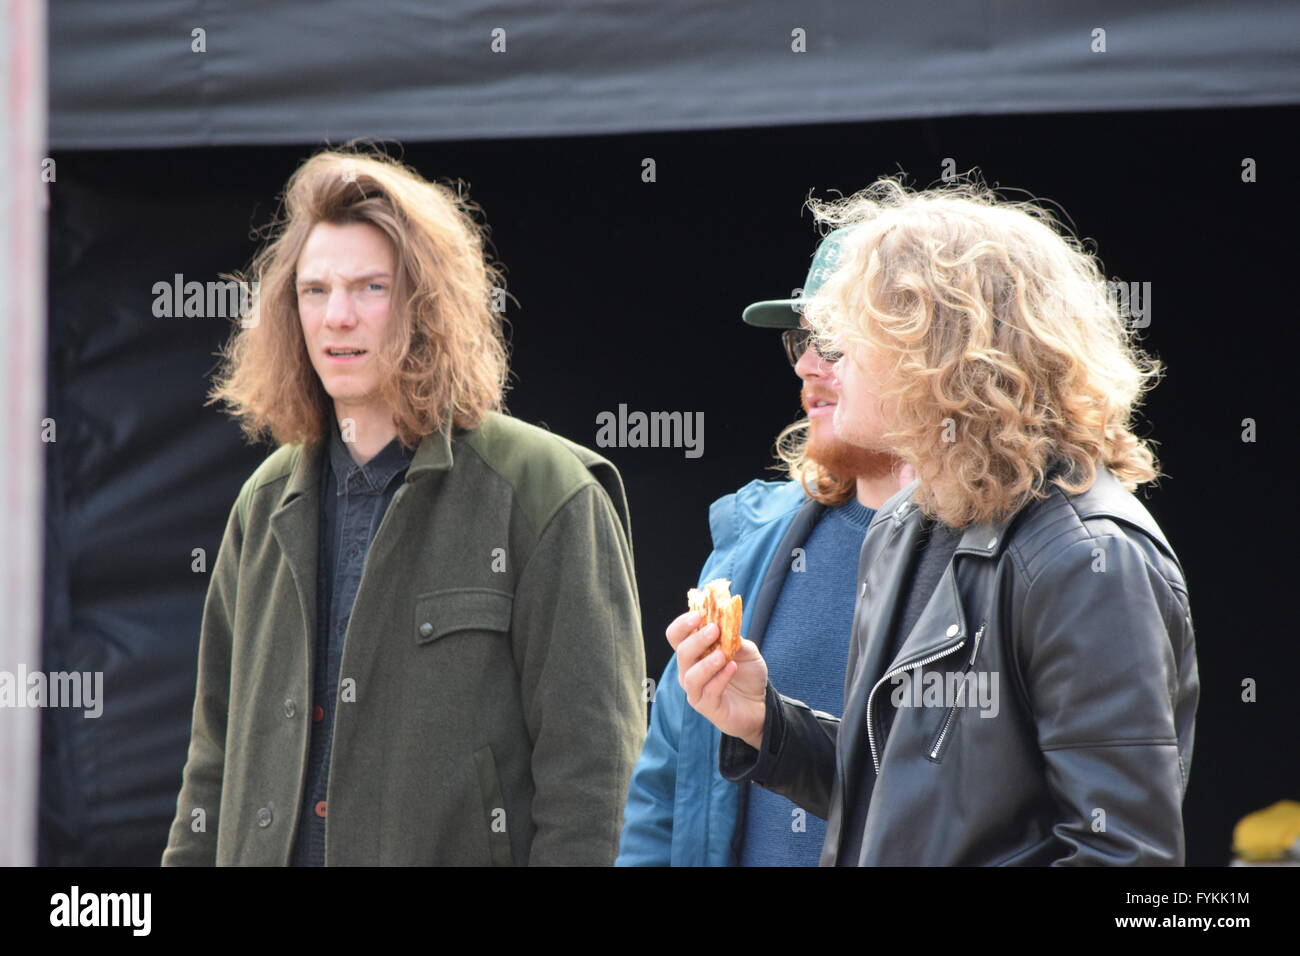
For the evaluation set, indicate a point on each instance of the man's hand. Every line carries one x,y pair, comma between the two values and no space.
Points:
730,694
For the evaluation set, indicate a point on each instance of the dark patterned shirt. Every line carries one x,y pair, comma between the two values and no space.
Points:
354,499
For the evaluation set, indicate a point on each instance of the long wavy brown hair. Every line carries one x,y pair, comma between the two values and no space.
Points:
445,356
1004,353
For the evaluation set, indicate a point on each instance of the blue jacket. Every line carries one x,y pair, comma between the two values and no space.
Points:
680,810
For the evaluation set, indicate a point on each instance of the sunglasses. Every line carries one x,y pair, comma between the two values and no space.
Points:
797,341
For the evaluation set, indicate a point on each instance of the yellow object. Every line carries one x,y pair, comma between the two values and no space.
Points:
1268,834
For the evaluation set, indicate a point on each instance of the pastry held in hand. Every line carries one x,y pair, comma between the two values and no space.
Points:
717,605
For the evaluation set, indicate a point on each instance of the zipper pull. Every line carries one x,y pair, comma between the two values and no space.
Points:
975,650
937,746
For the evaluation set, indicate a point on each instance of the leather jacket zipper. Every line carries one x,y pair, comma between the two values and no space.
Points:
871,732
937,746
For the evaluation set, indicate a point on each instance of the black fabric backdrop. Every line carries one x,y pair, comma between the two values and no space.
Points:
123,74
630,292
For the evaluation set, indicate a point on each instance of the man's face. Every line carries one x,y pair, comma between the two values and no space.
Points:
859,417
822,397
344,284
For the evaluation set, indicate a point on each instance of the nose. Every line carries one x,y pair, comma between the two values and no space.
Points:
810,365
338,309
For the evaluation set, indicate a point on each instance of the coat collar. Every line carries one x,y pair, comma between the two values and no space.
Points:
433,455
295,523
985,538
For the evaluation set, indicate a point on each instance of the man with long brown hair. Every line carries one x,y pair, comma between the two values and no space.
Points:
421,641
1022,684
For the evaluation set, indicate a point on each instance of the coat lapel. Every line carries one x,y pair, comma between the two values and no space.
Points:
879,603
880,598
296,526
941,625
296,521
433,456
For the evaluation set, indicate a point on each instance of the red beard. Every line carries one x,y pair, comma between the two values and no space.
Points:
848,461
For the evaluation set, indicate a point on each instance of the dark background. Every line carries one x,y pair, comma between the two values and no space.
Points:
630,292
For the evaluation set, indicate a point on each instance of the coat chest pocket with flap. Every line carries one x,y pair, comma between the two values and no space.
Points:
441,613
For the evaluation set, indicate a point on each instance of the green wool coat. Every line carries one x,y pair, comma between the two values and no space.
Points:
492,683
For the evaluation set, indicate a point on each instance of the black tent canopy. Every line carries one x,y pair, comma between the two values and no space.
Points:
136,73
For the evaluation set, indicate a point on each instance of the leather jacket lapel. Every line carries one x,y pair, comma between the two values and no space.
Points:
879,603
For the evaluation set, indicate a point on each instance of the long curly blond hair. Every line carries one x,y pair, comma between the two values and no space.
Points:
446,357
1007,366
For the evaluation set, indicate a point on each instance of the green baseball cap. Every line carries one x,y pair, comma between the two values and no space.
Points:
784,313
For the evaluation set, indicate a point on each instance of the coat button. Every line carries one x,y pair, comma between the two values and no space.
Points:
290,708
318,713
992,542
264,817
320,808
426,629
952,630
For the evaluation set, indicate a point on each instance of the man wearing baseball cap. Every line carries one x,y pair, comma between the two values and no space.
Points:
785,313
790,549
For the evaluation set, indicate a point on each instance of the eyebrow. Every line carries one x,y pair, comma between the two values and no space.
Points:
364,277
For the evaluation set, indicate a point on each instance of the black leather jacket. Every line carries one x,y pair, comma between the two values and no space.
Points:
1076,614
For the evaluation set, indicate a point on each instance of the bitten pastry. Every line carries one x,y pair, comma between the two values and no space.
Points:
719,606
